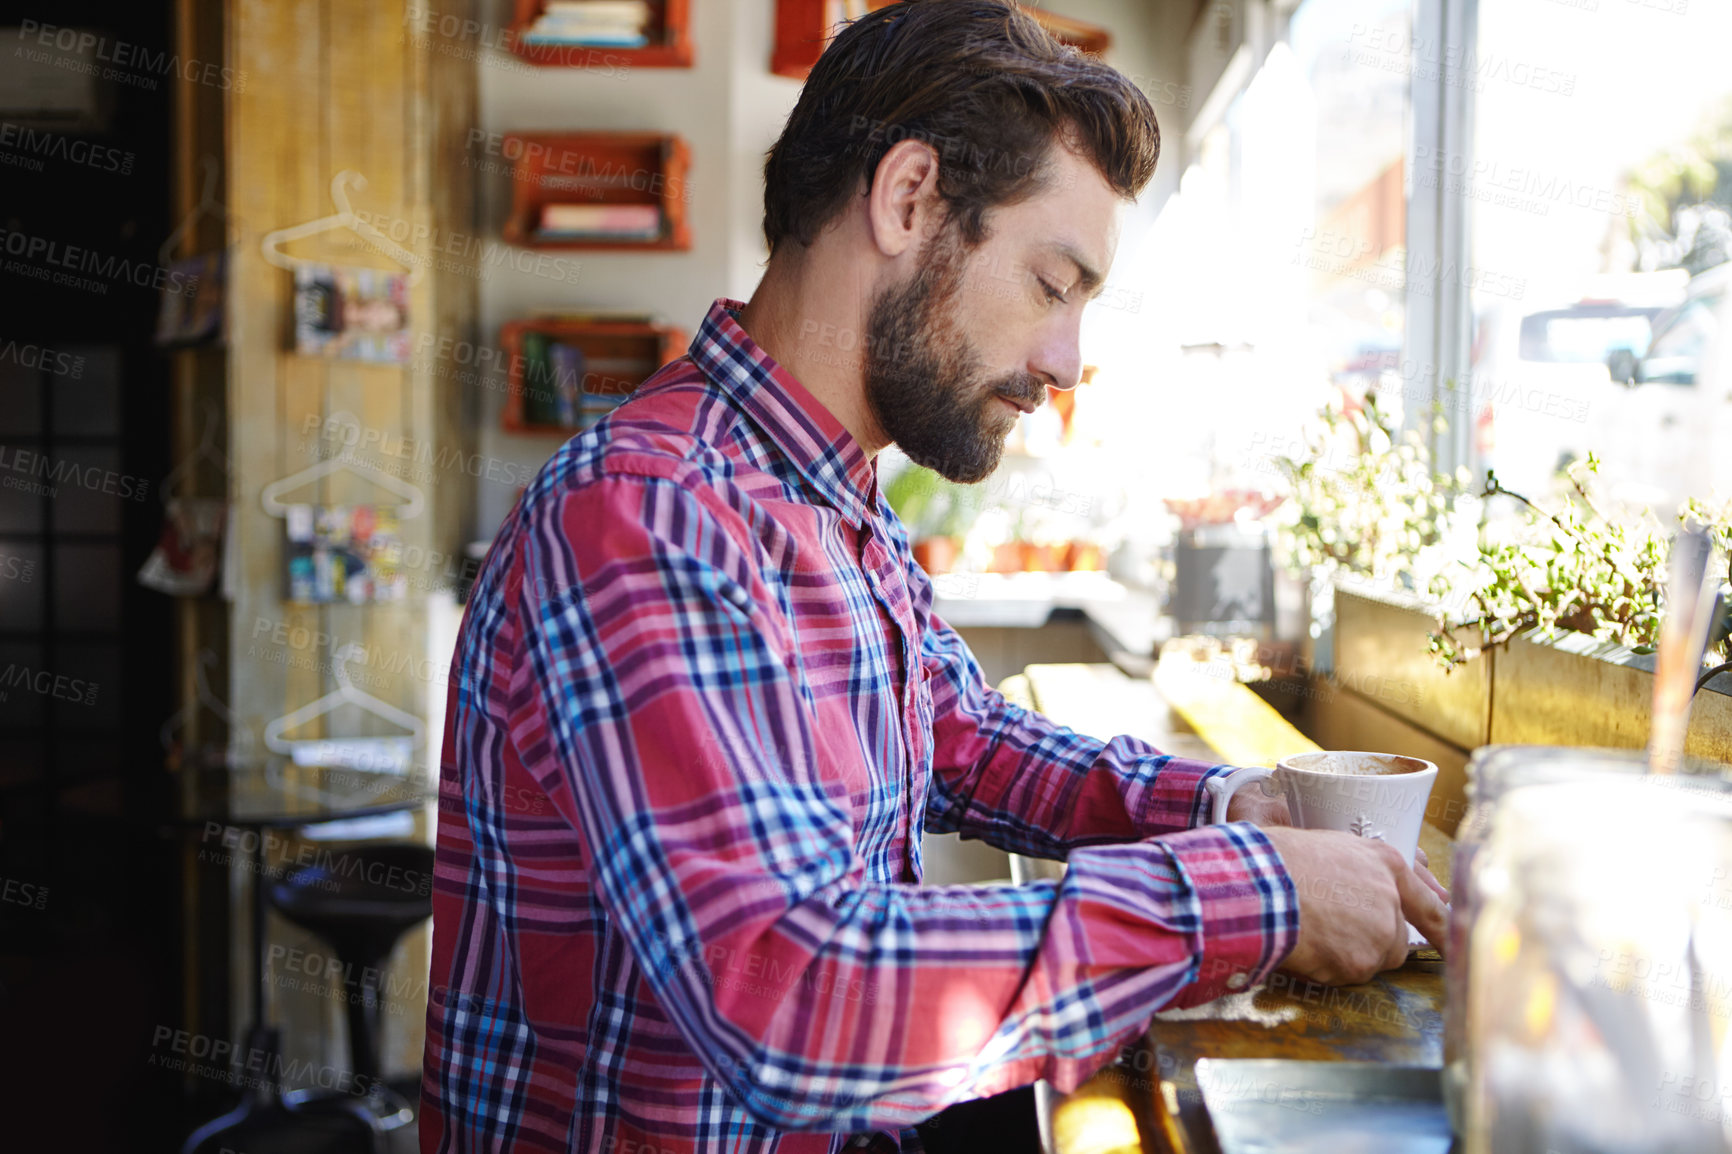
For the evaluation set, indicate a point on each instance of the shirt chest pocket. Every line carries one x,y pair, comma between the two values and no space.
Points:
920,735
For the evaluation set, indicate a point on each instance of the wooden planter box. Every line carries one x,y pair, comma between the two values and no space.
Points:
1387,691
1380,654
1574,690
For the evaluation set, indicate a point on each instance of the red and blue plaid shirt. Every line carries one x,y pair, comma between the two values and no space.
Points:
701,712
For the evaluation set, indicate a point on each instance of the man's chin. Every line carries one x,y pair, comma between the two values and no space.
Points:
967,470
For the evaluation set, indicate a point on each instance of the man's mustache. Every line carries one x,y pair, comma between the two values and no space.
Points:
1022,387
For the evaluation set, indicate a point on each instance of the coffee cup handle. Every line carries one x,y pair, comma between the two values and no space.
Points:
1223,788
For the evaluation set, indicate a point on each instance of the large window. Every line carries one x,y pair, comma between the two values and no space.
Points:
1273,282
1598,185
1467,214
1470,214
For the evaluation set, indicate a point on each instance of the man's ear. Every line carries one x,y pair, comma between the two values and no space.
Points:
903,202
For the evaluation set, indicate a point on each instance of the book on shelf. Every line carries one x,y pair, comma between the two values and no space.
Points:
618,11
567,364
836,11
600,221
563,388
601,23
595,406
585,40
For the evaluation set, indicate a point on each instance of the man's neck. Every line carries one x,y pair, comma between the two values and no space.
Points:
816,331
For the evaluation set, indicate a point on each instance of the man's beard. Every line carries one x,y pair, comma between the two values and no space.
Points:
923,376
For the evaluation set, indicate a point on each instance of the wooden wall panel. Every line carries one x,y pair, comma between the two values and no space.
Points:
334,85
1380,653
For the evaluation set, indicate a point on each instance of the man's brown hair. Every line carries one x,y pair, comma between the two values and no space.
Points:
981,83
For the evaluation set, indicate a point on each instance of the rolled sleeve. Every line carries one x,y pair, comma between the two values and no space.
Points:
1247,907
1177,797
1020,781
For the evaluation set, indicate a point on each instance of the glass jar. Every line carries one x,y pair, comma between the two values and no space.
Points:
1491,772
1599,978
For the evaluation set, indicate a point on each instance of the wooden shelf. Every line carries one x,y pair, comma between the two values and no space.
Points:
803,28
624,353
670,43
598,168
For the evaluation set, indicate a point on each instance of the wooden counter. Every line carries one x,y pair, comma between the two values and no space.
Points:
1149,1101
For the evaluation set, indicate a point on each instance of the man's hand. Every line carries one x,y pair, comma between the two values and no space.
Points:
1422,866
1262,804
1356,896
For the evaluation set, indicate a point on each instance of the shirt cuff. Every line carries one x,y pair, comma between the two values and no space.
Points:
1246,905
1176,799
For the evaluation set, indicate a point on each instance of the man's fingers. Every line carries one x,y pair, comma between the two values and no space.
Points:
1425,875
1396,956
1420,857
1421,905
1254,806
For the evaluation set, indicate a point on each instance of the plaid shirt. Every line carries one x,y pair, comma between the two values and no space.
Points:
701,712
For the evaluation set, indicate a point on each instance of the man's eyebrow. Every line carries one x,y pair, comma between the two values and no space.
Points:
1092,281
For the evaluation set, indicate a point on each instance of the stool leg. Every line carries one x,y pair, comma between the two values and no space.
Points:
364,1017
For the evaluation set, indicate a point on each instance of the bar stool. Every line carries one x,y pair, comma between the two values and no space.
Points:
272,1128
360,900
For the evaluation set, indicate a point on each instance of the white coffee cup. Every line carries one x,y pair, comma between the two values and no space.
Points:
1374,795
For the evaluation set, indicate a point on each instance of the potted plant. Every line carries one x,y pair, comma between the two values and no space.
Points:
1044,539
938,514
1083,557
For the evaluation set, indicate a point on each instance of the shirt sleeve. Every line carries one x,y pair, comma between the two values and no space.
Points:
1025,784
724,853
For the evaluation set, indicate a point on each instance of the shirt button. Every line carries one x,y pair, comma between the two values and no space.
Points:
1237,981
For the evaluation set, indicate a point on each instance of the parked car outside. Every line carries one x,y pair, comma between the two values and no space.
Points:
1541,395
1670,421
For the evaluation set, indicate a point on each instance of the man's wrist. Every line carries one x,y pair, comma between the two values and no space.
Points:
1176,799
1205,801
1247,907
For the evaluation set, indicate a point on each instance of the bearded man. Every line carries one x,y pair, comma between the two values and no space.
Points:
702,709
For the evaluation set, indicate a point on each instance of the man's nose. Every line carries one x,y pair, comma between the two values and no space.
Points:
1058,360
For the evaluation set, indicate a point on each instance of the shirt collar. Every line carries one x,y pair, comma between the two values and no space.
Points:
806,432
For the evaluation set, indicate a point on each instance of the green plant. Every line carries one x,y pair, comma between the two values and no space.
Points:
1579,569
930,505
1367,502
1364,498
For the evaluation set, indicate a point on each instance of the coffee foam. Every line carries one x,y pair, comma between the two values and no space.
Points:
1357,764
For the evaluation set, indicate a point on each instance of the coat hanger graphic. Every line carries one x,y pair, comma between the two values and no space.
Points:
344,694
345,461
240,734
205,451
207,205
271,246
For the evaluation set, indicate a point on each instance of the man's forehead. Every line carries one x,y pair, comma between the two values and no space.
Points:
1075,199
